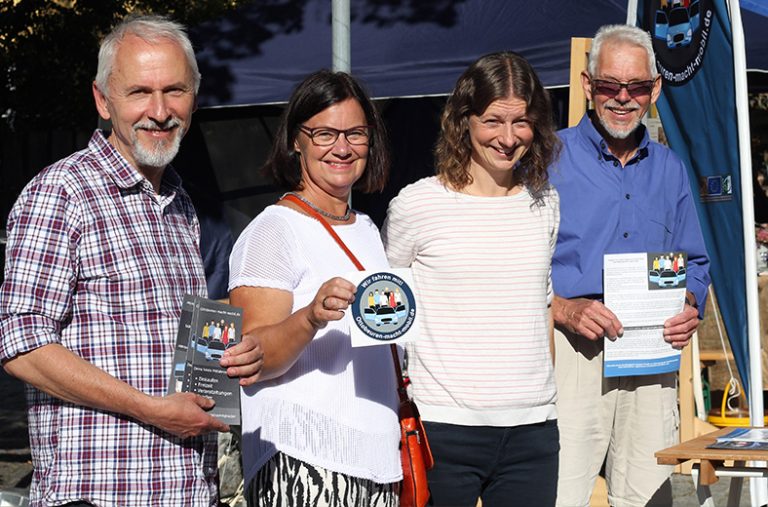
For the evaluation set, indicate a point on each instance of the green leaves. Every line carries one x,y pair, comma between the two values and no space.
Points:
48,52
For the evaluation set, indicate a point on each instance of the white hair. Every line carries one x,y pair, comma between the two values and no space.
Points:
621,34
150,29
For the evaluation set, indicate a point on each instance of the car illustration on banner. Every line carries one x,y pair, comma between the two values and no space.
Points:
693,12
679,32
675,24
661,25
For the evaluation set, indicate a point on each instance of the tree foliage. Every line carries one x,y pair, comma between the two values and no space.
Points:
48,51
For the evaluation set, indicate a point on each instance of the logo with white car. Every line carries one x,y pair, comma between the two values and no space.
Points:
384,307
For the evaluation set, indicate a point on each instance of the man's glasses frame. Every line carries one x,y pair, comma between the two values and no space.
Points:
613,88
327,136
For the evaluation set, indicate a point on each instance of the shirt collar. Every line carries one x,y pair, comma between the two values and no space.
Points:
595,140
123,173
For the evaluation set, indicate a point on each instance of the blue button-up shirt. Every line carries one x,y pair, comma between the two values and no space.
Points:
645,206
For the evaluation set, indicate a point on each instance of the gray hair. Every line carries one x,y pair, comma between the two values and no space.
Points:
621,34
150,29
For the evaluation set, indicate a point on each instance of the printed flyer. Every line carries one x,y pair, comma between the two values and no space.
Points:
206,329
643,290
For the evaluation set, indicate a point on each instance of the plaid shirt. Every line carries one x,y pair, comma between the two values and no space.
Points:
98,262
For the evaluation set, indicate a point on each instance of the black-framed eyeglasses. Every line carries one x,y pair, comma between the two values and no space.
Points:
326,136
613,88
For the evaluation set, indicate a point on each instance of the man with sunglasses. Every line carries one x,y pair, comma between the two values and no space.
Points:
619,193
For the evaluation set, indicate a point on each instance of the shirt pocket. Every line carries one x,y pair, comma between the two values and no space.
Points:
118,280
656,230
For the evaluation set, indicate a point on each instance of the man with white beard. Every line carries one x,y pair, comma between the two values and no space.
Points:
102,246
619,193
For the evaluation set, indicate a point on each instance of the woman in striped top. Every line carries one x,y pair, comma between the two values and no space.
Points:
479,237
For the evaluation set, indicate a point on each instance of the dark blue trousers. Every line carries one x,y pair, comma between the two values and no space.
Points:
505,466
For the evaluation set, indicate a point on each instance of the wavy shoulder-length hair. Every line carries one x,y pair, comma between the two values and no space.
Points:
493,77
315,94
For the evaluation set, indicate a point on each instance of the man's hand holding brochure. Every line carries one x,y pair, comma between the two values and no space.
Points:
643,290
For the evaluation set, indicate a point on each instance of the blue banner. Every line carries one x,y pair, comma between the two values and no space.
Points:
694,54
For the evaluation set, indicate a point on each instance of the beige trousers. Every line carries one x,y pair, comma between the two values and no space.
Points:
622,420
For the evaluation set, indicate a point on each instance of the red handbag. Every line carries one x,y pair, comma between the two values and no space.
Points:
415,454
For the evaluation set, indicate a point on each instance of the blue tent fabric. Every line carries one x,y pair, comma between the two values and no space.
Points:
754,19
402,48
756,6
254,56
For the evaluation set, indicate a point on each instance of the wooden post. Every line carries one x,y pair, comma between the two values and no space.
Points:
577,100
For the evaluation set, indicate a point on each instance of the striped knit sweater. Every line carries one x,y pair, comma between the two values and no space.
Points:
481,269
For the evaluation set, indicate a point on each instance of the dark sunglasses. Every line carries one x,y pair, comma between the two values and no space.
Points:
613,88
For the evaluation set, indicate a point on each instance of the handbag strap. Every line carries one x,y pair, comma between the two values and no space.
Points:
401,390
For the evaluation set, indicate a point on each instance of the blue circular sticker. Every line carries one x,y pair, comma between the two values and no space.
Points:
384,307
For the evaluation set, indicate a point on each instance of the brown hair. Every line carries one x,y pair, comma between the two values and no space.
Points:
316,93
493,77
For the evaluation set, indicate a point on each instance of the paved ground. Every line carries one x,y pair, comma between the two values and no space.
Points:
15,466
684,493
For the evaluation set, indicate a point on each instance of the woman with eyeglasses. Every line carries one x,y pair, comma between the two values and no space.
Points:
321,426
485,228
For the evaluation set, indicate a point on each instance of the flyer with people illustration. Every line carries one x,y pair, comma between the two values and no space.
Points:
742,439
643,290
206,329
384,310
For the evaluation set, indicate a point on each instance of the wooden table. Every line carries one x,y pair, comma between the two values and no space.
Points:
715,463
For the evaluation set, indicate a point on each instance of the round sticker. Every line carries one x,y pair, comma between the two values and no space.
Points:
384,306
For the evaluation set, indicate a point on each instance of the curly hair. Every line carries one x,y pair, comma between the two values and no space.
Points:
493,77
316,93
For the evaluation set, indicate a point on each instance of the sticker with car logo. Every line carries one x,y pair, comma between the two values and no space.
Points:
384,310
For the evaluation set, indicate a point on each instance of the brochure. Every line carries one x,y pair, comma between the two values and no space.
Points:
206,329
740,445
742,439
176,382
643,290
745,435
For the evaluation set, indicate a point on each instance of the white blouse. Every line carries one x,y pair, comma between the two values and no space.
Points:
337,406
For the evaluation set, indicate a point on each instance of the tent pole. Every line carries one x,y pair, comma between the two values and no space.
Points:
758,486
341,36
632,12
750,269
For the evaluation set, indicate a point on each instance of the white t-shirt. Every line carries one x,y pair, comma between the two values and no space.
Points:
337,406
481,268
